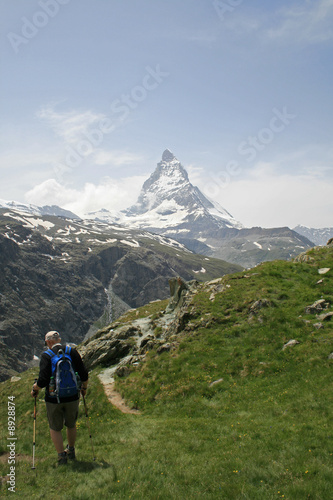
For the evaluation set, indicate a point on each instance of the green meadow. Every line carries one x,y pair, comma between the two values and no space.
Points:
226,414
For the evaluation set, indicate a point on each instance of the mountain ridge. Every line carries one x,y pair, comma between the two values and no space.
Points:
38,210
319,236
169,205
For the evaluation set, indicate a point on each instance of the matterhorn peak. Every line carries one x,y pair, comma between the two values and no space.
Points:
169,200
168,156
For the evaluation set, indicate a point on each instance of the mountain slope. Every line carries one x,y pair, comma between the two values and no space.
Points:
277,300
57,273
251,246
228,412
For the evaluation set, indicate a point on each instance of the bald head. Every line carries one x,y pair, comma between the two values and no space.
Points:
52,338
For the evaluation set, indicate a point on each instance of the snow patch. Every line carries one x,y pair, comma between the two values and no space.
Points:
131,243
202,270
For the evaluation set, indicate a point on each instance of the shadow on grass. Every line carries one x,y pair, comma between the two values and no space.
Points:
87,466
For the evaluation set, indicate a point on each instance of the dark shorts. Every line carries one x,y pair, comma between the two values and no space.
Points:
59,414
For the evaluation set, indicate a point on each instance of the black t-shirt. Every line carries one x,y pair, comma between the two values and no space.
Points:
45,372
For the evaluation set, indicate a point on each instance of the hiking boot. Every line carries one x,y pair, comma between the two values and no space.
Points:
70,451
62,458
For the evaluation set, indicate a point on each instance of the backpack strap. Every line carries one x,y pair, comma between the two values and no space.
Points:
50,353
68,350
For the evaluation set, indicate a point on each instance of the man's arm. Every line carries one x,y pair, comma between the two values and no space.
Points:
81,369
44,375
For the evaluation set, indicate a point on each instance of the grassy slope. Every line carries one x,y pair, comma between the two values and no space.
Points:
263,432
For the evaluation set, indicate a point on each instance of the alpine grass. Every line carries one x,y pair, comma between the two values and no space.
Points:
227,413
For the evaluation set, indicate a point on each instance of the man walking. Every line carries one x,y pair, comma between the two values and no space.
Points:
63,410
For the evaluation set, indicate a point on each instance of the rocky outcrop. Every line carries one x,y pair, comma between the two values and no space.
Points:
317,306
111,346
121,345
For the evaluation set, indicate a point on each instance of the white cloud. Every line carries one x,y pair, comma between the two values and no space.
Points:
110,193
269,198
116,158
304,22
310,22
70,126
83,137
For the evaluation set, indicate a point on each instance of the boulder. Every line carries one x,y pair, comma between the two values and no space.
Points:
178,288
324,270
325,316
164,348
259,304
110,347
291,343
317,306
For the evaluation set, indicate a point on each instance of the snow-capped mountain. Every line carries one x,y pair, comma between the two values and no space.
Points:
35,210
318,236
171,206
169,202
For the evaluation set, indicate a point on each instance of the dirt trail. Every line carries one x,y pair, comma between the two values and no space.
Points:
116,400
106,376
146,326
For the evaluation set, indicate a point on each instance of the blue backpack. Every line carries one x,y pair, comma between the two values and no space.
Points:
66,384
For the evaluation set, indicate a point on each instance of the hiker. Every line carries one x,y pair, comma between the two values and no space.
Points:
60,410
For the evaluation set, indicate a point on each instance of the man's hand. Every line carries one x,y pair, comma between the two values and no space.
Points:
83,390
34,390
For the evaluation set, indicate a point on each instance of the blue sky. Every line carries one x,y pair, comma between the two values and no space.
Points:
92,92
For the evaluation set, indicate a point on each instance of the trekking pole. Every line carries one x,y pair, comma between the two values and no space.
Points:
86,412
34,432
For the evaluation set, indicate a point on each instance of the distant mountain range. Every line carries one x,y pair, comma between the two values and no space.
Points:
318,236
35,210
169,205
